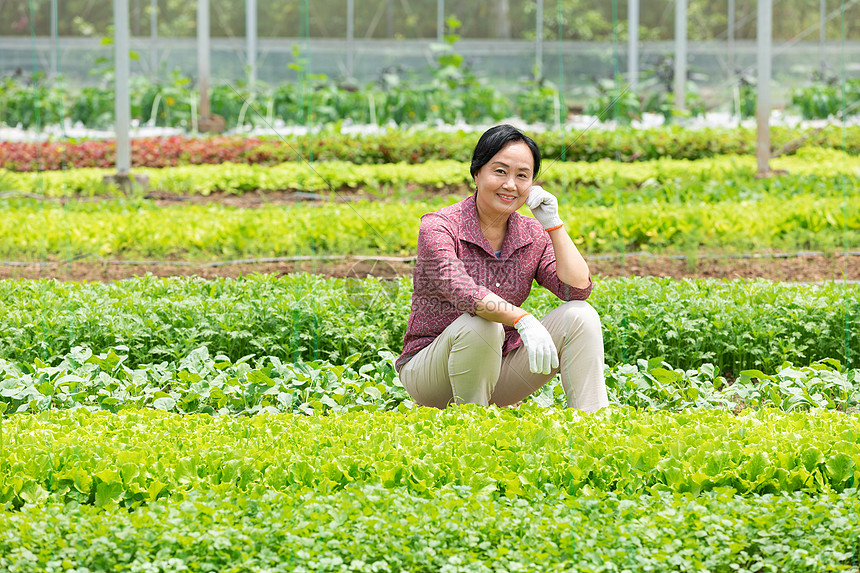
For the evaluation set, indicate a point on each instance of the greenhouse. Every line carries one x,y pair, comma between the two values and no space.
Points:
422,285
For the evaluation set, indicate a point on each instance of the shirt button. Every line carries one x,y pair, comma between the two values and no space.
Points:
497,284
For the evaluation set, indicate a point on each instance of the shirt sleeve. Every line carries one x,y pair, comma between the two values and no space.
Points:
547,276
439,271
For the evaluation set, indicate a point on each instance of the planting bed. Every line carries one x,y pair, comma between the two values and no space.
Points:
244,413
752,325
415,146
468,489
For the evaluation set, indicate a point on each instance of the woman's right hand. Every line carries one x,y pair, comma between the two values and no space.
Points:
543,356
544,206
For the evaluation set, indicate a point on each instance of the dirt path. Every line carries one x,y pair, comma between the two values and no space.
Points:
804,268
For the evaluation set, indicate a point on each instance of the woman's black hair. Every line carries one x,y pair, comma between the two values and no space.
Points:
494,139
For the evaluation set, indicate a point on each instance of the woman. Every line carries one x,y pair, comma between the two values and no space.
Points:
467,340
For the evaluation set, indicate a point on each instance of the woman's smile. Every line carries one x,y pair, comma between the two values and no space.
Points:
503,183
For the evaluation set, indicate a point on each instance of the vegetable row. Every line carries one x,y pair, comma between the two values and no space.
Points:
140,230
135,457
413,146
372,528
821,172
734,325
202,383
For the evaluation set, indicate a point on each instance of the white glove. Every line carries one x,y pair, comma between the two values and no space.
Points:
543,357
544,207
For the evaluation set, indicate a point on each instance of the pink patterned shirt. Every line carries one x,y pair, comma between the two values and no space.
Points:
456,267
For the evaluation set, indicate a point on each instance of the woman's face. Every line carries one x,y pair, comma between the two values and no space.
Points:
504,181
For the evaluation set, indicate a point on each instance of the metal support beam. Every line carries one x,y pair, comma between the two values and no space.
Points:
203,56
764,38
350,38
502,25
251,38
680,54
153,37
822,32
135,19
539,40
440,20
731,37
55,36
633,44
389,19
122,101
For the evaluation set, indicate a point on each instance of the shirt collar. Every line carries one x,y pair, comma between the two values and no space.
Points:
470,230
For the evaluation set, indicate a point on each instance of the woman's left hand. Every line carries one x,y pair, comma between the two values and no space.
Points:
544,207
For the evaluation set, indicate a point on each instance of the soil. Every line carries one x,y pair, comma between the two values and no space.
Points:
799,268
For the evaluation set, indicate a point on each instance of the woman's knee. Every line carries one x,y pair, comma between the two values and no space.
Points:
580,315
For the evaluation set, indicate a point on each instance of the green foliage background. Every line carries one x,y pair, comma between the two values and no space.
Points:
585,20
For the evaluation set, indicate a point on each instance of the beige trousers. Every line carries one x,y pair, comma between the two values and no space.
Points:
465,363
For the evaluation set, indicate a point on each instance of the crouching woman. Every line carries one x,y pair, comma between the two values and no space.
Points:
467,340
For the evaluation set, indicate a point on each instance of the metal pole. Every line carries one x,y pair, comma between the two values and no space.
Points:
633,43
389,12
764,34
822,32
251,37
135,19
680,54
350,38
203,56
153,37
502,24
55,34
122,101
440,20
731,33
539,40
